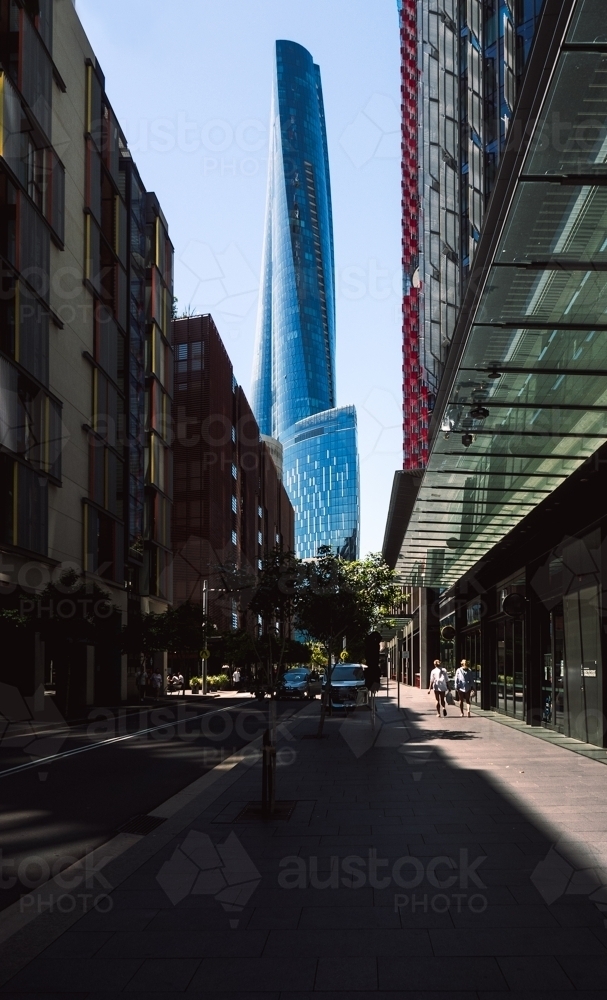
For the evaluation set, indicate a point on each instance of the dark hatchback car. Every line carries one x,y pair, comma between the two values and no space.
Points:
299,682
348,687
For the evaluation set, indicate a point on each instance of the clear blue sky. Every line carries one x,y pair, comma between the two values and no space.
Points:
190,82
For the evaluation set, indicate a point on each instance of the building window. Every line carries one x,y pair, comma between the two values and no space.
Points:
260,537
181,358
234,538
103,555
260,511
234,505
196,356
23,506
509,63
234,472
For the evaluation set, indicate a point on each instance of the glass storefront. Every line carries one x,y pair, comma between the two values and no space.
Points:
553,673
508,667
447,643
472,653
509,686
583,664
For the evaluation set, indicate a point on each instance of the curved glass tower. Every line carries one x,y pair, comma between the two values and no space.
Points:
294,366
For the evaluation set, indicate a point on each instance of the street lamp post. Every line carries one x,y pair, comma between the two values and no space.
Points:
205,608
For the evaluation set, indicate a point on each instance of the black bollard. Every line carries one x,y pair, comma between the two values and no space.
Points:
268,776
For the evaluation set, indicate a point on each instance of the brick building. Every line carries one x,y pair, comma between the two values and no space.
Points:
230,507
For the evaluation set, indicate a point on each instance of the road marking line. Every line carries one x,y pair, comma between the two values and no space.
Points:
100,743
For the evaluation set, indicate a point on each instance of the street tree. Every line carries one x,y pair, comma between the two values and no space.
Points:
340,600
275,600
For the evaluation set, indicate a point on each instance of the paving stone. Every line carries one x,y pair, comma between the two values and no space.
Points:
353,973
180,944
537,972
78,944
432,974
356,917
161,974
343,942
75,975
117,919
586,971
265,974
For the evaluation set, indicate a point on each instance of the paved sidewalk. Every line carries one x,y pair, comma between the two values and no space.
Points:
425,858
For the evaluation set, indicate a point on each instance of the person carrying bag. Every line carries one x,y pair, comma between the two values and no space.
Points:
439,683
464,684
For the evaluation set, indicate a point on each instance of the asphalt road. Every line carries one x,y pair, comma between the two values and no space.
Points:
69,789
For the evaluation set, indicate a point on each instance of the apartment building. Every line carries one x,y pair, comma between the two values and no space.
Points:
85,354
230,506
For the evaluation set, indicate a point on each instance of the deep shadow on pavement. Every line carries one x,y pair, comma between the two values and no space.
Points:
415,865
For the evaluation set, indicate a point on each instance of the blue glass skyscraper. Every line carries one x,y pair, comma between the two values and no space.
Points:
294,368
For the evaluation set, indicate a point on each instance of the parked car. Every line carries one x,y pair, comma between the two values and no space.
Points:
348,687
299,682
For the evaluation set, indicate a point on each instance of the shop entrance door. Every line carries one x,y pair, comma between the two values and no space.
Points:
510,651
583,665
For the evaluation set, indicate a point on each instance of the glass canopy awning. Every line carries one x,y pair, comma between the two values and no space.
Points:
527,402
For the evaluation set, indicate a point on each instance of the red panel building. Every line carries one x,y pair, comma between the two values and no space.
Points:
230,507
415,390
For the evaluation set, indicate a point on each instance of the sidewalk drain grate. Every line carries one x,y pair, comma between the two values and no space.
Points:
141,825
282,812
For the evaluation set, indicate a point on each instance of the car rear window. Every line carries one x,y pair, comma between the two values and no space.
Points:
348,672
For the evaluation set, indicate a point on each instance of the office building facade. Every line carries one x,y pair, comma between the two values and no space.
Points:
461,67
85,349
230,507
506,528
294,367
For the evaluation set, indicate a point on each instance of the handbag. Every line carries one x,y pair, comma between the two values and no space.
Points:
449,698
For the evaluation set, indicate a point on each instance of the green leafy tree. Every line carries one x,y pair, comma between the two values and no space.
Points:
236,647
143,634
182,630
185,630
318,655
275,599
340,599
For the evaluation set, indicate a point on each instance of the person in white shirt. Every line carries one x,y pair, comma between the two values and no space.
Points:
236,679
439,683
464,684
157,684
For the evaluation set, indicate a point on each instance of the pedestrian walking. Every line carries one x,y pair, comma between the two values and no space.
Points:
157,684
464,684
236,679
149,690
439,683
141,681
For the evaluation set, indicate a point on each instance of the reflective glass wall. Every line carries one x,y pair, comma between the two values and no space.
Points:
294,367
294,374
321,477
